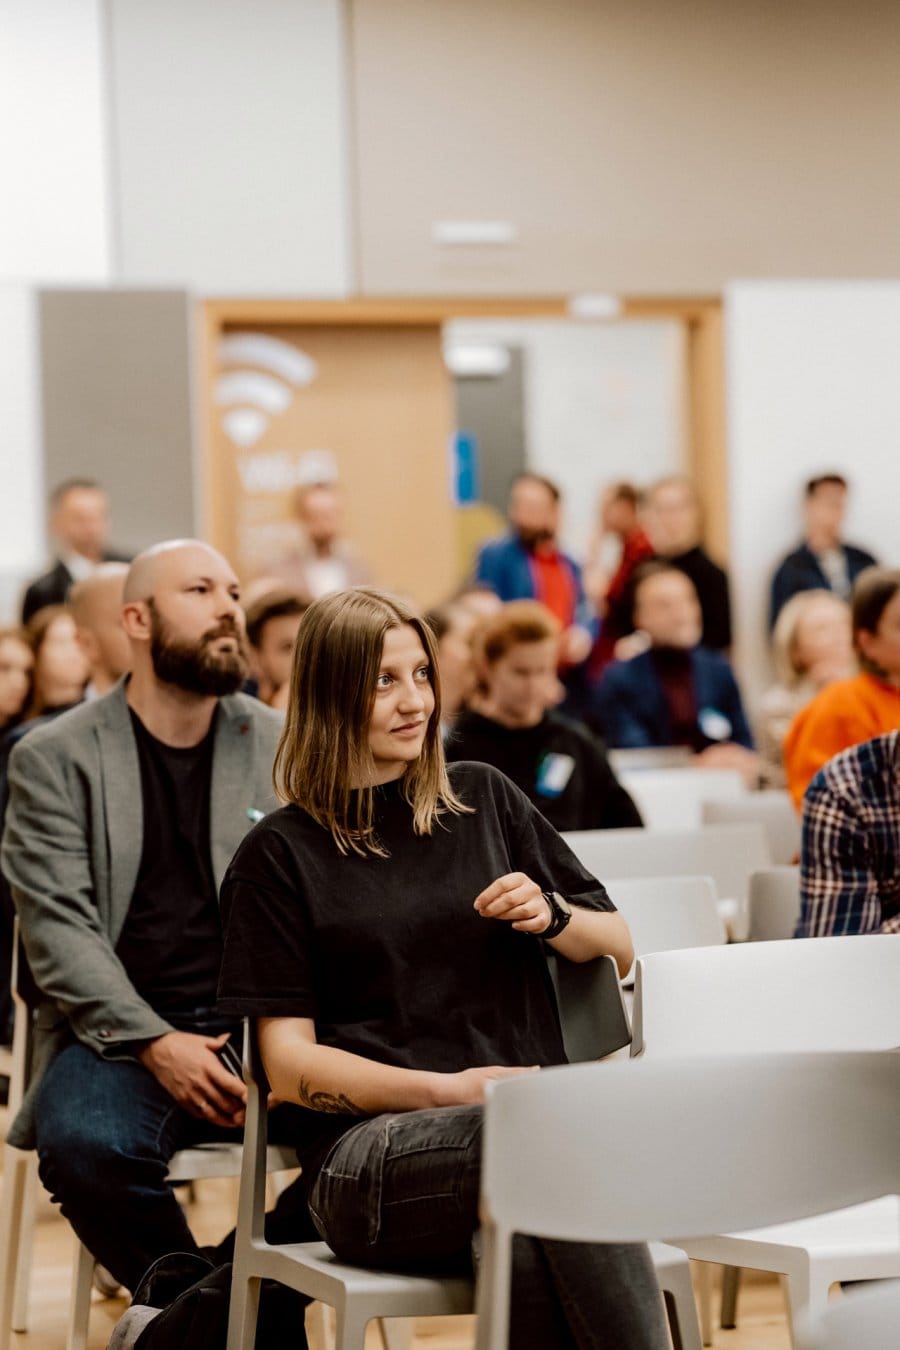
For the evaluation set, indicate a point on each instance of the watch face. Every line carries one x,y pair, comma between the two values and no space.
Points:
561,903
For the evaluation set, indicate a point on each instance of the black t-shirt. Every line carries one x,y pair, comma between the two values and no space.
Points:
557,764
711,585
171,942
387,955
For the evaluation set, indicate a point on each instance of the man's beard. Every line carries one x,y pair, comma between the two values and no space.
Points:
532,538
195,667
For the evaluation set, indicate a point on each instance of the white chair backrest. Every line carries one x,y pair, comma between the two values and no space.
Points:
667,913
672,799
774,903
773,809
626,1152
727,853
816,994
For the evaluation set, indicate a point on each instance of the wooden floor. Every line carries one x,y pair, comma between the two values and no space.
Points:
762,1321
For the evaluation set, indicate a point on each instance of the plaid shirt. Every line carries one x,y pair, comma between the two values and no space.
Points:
850,856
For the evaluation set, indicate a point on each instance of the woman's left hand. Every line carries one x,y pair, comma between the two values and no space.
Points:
518,900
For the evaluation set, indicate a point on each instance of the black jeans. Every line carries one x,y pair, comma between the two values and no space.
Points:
401,1192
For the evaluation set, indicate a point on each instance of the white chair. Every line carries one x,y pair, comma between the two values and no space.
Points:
773,903
661,1150
867,1319
819,994
727,853
672,799
773,809
651,757
20,1187
668,913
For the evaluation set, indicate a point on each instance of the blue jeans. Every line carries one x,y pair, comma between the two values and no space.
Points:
401,1192
106,1131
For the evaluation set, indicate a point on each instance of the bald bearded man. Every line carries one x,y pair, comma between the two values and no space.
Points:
123,816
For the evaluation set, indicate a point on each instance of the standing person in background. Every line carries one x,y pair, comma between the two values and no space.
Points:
528,564
79,525
823,561
853,710
673,521
611,596
556,762
323,561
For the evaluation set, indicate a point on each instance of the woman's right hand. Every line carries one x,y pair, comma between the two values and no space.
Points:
467,1087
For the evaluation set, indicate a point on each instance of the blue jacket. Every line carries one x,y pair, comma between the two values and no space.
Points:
505,565
800,571
631,708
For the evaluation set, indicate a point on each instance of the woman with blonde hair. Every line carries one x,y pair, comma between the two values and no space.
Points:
812,645
386,929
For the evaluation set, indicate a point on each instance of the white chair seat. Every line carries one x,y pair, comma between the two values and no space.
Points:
861,1242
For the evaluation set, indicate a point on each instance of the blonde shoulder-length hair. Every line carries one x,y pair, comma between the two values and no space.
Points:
323,756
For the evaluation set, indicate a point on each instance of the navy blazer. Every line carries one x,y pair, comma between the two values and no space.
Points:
631,708
800,571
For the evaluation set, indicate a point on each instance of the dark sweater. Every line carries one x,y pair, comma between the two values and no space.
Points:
589,798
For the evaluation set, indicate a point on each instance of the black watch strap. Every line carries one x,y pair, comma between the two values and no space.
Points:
560,912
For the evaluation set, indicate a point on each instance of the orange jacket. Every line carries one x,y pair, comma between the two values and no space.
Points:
842,714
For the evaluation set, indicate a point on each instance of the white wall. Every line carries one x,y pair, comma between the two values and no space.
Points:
21,479
602,402
813,383
229,145
53,166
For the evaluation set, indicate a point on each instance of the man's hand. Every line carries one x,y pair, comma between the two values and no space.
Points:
190,1070
518,900
467,1087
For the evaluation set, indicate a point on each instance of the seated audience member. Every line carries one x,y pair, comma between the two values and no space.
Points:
323,561
481,600
555,762
385,1017
16,667
61,669
528,564
96,606
611,595
812,645
823,561
850,856
149,790
673,521
676,692
79,525
452,625
847,712
273,622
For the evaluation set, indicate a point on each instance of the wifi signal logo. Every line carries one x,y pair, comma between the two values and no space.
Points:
252,397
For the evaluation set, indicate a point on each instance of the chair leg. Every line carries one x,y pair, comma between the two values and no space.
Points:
25,1245
318,1327
703,1272
681,1308
731,1283
805,1295
396,1332
80,1304
243,1311
350,1328
15,1165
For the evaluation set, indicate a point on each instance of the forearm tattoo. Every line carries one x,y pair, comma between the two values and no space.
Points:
327,1101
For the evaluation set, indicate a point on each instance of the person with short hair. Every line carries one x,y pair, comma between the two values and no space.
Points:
620,519
673,520
323,561
850,855
79,525
96,607
850,711
273,621
387,930
452,625
823,561
122,818
528,564
676,692
510,723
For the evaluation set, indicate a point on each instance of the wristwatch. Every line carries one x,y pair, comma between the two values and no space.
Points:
560,914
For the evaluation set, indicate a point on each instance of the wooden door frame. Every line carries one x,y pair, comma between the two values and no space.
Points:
701,318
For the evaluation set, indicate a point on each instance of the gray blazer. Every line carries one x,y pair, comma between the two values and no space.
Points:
71,852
